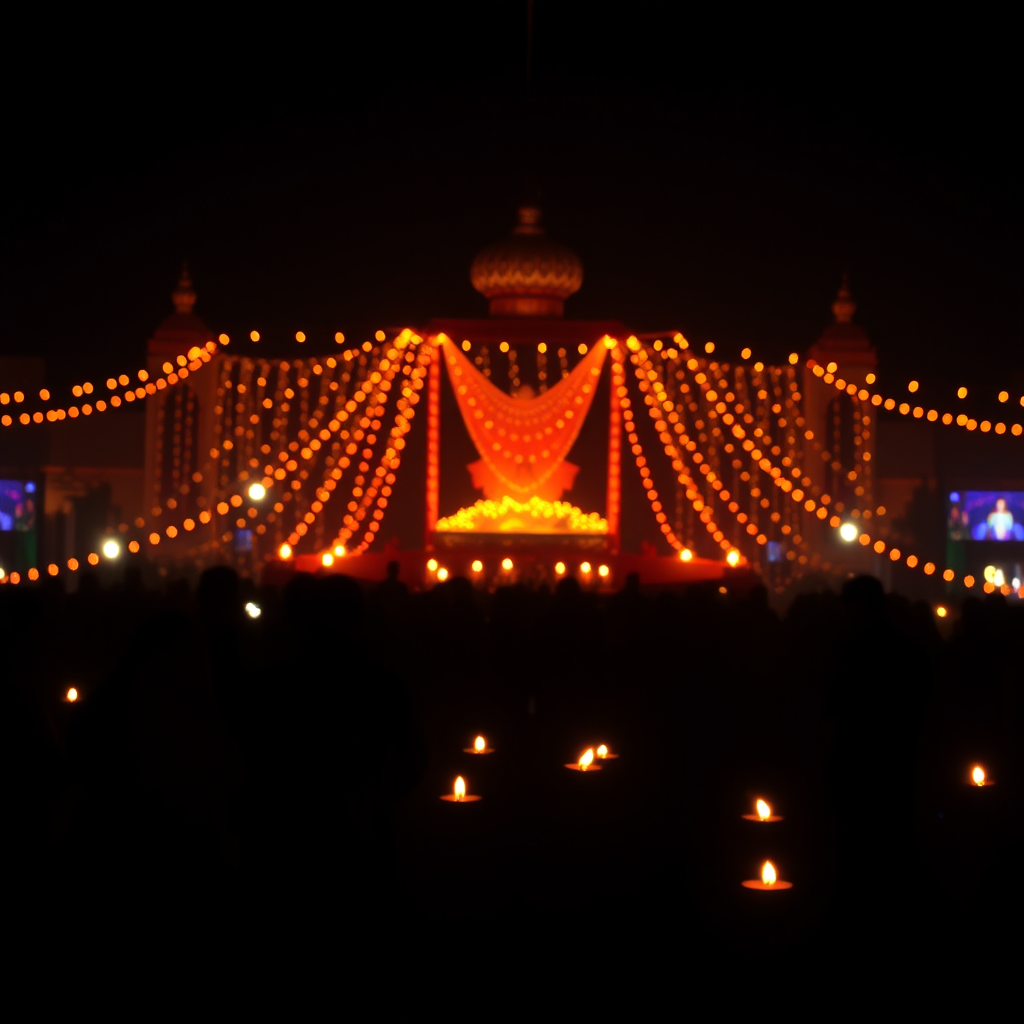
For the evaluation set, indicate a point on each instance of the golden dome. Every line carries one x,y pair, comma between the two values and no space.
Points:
527,274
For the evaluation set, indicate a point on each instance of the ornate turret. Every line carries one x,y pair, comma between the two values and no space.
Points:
843,333
182,329
527,274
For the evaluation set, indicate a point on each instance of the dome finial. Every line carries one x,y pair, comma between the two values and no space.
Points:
184,295
844,307
528,274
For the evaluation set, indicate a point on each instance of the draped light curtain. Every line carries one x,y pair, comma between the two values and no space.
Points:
523,441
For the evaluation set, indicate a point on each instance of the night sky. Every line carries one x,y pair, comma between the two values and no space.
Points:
714,177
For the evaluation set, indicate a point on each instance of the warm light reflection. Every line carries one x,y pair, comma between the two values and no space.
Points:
768,875
764,812
978,775
586,759
479,744
460,789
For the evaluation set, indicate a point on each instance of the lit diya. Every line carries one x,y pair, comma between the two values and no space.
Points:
479,747
71,696
769,880
979,778
762,812
458,795
604,754
585,763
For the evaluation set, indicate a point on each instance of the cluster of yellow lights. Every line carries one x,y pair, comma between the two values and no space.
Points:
485,515
829,375
173,373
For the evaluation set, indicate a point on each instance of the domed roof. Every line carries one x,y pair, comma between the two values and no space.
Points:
527,274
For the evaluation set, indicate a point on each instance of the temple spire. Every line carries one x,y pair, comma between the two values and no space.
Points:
184,295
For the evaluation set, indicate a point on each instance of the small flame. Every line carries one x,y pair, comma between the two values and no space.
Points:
768,875
72,695
764,812
587,759
602,751
978,775
460,789
479,744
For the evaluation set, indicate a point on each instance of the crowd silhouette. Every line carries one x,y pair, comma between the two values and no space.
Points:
261,779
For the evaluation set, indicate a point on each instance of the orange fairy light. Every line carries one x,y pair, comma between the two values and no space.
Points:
585,762
769,880
459,795
506,564
285,552
762,812
559,568
477,565
442,574
686,555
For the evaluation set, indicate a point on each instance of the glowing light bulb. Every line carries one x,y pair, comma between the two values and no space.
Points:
257,492
285,552
111,549
253,610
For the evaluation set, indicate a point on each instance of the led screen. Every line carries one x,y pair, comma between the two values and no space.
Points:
986,515
17,505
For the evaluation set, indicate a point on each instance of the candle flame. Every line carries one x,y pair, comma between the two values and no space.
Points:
978,775
602,751
764,812
479,744
72,695
768,875
460,789
586,759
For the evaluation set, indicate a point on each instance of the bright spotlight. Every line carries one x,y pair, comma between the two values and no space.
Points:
849,532
111,549
257,492
253,610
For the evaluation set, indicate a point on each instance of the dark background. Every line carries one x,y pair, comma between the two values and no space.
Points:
716,176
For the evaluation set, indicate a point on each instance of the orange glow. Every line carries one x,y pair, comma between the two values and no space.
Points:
559,568
459,790
768,874
586,759
941,611
506,564
764,812
477,566
978,775
432,565
285,551
686,555
733,557
961,393
585,568
603,571
479,744
442,574
300,337
72,695
255,335
602,751
327,559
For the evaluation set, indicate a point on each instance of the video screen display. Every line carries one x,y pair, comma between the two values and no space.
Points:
17,505
986,515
